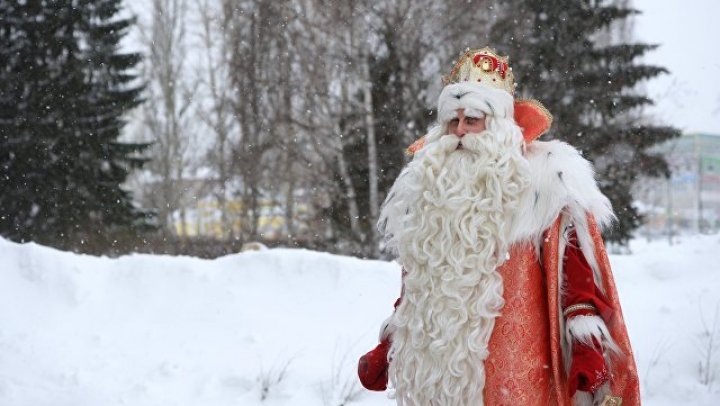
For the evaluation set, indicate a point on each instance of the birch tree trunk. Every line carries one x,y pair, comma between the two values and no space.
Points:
350,196
170,92
217,117
372,156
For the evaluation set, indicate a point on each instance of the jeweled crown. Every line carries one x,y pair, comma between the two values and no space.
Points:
484,66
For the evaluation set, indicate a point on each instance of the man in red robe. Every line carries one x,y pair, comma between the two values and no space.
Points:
507,295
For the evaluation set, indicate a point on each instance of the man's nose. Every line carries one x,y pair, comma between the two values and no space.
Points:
460,130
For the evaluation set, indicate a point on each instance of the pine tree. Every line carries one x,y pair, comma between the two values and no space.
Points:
64,87
590,87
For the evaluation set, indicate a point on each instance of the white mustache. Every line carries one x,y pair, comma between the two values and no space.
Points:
471,141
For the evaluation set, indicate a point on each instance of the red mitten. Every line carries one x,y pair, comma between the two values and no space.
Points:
587,371
373,367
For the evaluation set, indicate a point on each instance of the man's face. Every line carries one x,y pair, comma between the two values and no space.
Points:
463,124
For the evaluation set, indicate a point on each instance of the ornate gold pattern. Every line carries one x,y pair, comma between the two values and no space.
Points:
551,257
517,368
578,306
484,66
624,380
521,368
611,401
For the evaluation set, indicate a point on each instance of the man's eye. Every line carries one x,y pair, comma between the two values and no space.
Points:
471,120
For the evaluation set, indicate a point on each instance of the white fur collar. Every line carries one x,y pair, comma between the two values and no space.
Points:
562,181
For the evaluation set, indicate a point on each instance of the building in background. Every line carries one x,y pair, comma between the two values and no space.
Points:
689,201
203,218
199,212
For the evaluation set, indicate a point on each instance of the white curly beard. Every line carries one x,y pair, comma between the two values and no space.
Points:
447,217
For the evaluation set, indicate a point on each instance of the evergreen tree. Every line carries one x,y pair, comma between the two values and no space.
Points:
590,86
64,88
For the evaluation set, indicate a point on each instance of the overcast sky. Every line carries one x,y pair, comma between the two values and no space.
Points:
688,32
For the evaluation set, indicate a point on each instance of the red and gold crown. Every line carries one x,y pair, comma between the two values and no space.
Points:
484,66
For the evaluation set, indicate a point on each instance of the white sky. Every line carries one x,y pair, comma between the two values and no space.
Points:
688,33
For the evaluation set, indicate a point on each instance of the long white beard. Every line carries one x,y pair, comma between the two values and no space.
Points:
448,217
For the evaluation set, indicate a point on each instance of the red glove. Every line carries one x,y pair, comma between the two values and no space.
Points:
373,367
588,371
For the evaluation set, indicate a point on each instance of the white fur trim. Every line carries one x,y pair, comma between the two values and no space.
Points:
564,343
582,398
583,329
596,398
386,329
601,392
474,97
562,182
434,134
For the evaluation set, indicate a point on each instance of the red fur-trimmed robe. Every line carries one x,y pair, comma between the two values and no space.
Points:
529,354
526,363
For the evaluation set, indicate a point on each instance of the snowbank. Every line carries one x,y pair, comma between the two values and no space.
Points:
158,330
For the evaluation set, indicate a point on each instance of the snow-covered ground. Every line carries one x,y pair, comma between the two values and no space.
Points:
157,330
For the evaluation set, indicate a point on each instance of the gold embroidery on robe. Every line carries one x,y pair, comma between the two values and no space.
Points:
522,369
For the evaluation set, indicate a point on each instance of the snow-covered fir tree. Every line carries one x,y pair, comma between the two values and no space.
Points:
562,55
64,87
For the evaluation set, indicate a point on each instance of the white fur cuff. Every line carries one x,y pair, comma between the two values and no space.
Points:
582,398
386,329
583,329
474,96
